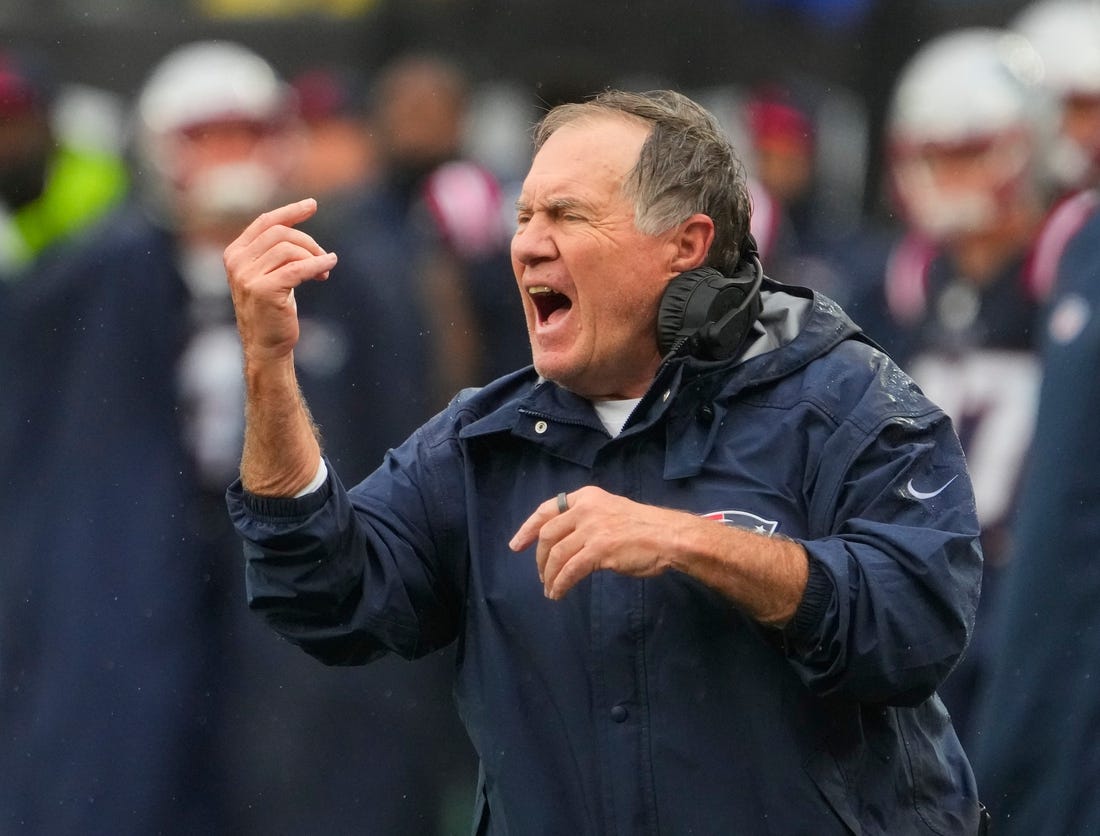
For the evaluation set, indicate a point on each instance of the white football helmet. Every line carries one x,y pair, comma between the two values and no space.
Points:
1066,35
194,89
963,131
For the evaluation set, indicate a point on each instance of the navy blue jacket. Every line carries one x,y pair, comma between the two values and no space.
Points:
655,706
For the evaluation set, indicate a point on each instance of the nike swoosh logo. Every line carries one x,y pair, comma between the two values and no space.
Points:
913,492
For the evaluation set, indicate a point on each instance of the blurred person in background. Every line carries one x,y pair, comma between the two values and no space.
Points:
782,144
365,360
960,302
115,645
807,159
138,698
1066,35
339,159
445,212
51,187
1038,718
1038,715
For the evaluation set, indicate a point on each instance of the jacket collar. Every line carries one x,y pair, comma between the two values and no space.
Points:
796,326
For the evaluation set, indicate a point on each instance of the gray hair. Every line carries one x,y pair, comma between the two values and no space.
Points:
687,165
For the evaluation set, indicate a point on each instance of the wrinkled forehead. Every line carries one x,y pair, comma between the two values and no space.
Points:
599,140
585,161
588,115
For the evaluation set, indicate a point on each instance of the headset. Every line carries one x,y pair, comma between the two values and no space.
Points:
709,313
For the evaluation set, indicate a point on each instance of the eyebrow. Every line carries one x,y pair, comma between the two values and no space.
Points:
553,205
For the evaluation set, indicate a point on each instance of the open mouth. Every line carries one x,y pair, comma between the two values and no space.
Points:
548,302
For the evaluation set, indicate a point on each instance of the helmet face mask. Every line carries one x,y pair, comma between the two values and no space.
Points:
963,133
229,192
952,189
217,133
226,171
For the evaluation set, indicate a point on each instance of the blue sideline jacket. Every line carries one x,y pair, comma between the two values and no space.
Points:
654,706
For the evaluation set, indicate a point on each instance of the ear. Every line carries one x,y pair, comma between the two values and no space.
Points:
691,241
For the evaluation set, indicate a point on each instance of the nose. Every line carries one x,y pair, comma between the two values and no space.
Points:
533,241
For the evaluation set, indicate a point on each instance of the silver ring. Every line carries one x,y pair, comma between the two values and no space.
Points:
563,503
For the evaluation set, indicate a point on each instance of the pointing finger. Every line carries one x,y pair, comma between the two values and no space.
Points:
529,531
290,214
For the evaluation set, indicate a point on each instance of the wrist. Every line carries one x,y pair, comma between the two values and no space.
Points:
282,452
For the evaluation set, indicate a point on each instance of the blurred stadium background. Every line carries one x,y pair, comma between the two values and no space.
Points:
538,47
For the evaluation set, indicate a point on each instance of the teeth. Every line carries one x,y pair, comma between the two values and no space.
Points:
539,290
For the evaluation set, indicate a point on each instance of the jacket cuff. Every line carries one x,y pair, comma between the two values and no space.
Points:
284,508
816,599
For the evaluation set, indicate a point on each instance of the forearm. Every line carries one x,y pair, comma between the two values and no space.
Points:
263,266
764,575
281,448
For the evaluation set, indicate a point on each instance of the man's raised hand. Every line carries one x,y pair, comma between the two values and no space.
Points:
264,265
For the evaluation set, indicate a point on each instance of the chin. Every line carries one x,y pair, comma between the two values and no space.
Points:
560,372
549,370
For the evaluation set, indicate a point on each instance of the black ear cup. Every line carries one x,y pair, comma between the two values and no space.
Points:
710,312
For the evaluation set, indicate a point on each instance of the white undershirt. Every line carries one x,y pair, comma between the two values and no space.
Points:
318,480
613,414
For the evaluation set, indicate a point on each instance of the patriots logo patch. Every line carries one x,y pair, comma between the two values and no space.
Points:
743,519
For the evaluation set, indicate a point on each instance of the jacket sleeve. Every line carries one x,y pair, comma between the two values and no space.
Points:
351,575
895,564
